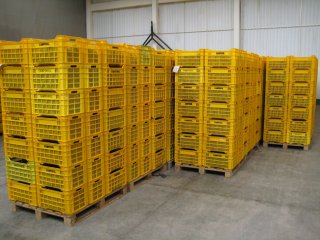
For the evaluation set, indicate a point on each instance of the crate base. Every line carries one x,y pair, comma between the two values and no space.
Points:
132,185
70,220
227,173
287,145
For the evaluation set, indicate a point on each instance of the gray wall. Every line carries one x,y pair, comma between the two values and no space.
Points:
41,18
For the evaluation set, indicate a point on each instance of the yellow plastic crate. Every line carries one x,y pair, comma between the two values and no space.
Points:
158,126
230,94
146,76
188,109
22,192
20,170
301,126
93,100
299,138
301,100
188,92
114,54
14,53
222,127
66,202
303,62
146,55
275,100
277,63
95,145
224,161
223,59
133,171
92,51
159,75
132,75
302,113
115,119
133,56
15,77
59,129
303,75
190,76
114,77
188,157
158,110
96,167
134,153
276,112
133,133
133,95
116,160
222,110
114,97
276,88
116,180
300,88
92,76
188,125
134,114
280,75
146,91
96,190
18,148
94,123
145,166
62,49
158,159
158,93
114,140
58,103
188,140
189,58
158,142
146,147
62,178
274,136
223,76
146,129
159,58
16,101
15,124
57,77
275,124
62,154
221,143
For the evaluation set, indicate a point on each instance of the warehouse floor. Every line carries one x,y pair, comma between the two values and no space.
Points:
275,195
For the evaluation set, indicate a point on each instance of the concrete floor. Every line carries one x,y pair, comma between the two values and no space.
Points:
275,195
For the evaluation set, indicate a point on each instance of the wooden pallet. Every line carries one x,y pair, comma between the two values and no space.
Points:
132,185
286,145
227,173
70,220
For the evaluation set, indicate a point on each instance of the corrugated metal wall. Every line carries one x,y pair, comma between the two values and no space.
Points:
268,27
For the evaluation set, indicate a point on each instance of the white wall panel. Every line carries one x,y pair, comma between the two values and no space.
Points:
102,24
219,15
175,41
195,16
310,12
272,42
270,13
194,41
134,40
171,18
220,40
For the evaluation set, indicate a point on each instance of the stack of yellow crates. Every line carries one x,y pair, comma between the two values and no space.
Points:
16,115
218,107
59,123
302,100
189,107
276,99
114,66
226,108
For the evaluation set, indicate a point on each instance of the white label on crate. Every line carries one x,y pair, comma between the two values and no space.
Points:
176,69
